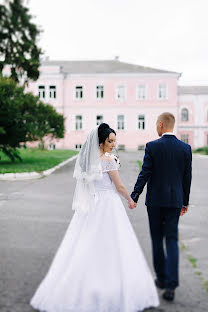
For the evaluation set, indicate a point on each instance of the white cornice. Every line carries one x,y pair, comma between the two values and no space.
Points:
83,75
124,75
190,127
118,107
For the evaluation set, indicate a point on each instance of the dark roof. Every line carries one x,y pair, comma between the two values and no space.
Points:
194,90
102,67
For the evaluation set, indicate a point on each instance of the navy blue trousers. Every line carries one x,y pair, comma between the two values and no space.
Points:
163,223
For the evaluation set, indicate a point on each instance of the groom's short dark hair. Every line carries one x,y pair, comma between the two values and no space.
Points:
168,119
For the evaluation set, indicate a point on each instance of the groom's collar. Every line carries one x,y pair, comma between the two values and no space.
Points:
168,133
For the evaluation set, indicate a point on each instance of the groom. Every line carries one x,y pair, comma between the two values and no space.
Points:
167,170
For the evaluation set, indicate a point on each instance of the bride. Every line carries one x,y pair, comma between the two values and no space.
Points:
99,265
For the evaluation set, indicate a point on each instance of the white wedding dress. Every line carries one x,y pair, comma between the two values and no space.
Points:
99,265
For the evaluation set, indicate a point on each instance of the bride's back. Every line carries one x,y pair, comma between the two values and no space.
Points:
108,164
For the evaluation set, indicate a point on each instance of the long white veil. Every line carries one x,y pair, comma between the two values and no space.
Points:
87,169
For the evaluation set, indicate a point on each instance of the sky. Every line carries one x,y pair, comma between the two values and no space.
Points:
165,34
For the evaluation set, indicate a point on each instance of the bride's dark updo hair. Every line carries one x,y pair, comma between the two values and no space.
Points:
104,131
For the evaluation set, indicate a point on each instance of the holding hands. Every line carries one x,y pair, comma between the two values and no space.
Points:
131,203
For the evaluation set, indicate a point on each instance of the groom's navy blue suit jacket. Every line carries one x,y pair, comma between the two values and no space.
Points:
167,170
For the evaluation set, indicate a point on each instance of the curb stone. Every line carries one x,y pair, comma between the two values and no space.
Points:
33,175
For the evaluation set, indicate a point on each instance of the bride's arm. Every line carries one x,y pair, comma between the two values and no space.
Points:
114,175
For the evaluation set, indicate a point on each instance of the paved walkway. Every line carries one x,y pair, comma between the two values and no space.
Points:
34,216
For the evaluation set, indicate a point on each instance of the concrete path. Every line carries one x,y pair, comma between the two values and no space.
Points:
34,216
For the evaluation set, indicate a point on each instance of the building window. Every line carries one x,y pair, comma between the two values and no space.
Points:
100,92
121,147
52,92
185,138
120,93
78,92
120,122
141,122
78,123
141,92
52,146
78,146
99,120
184,114
41,92
141,148
162,91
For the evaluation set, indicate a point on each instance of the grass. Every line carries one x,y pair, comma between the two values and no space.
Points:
34,159
206,285
140,164
198,273
193,262
202,150
183,246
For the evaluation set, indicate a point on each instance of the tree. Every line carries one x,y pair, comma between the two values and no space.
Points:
44,120
24,118
18,41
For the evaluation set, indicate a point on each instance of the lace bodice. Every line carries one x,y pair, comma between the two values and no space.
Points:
106,183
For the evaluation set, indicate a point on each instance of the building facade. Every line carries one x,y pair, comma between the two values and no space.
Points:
193,115
128,97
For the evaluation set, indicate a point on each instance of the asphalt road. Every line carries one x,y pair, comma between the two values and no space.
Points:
35,214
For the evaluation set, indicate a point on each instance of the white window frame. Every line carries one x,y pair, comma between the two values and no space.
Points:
166,91
42,92
122,122
138,94
52,146
97,123
185,138
184,109
78,92
99,93
52,92
121,147
141,123
141,147
124,92
78,146
78,123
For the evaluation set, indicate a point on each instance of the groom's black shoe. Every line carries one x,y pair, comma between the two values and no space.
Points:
169,294
159,284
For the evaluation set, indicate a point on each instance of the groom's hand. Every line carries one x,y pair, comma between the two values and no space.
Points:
184,210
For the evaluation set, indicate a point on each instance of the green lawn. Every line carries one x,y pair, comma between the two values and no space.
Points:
202,150
34,160
140,164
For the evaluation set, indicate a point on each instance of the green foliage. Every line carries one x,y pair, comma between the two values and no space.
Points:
25,118
206,285
202,150
34,159
183,246
140,164
198,273
18,41
52,125
193,261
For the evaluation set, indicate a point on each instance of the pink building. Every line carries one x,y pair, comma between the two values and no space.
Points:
193,115
128,97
